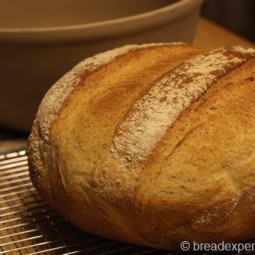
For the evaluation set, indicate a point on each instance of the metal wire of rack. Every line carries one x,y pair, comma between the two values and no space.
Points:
29,226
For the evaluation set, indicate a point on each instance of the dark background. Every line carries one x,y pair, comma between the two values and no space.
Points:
235,15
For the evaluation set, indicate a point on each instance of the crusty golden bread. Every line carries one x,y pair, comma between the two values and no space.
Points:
152,144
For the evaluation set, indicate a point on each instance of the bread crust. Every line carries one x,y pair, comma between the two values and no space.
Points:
194,179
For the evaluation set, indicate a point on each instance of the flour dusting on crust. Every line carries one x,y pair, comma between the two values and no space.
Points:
149,117
53,100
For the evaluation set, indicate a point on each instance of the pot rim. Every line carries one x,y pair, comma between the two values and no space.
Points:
103,29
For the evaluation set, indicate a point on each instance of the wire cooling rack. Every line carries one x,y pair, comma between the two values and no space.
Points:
29,226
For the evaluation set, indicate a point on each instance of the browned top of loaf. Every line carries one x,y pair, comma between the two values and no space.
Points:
150,116
58,96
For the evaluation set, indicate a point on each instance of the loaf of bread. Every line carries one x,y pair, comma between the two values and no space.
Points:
152,144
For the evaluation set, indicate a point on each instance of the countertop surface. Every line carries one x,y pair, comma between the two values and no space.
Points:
208,36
